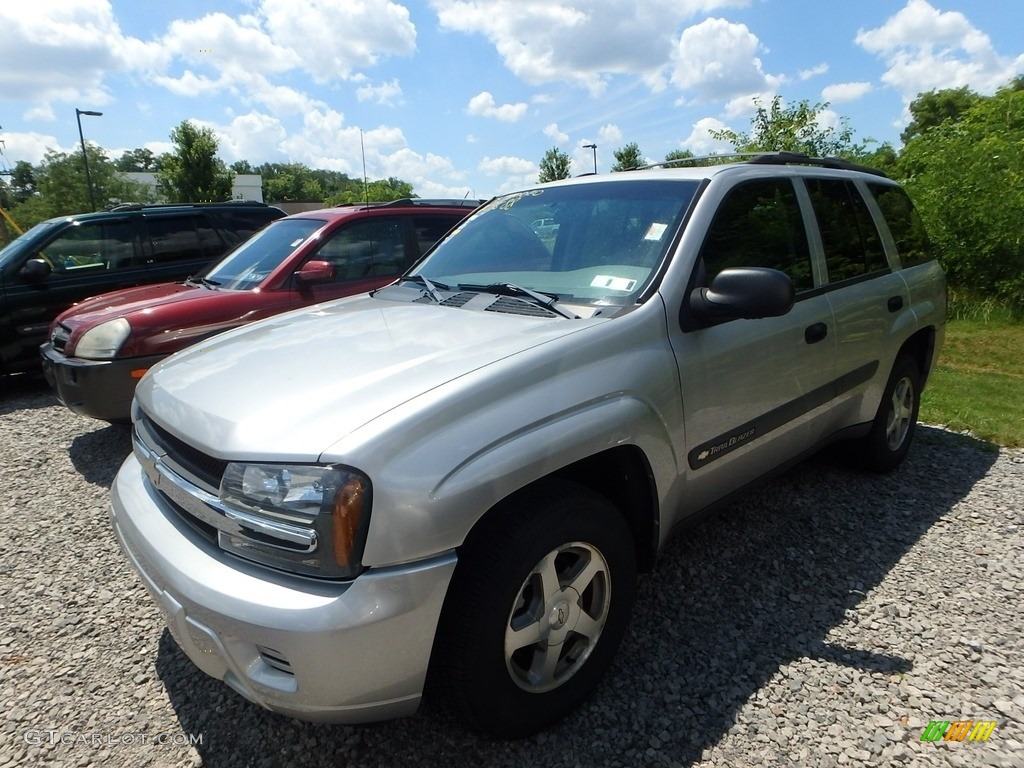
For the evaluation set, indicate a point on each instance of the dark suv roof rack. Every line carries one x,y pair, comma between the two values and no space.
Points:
769,158
148,206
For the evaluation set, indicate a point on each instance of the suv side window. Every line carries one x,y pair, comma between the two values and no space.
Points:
366,248
175,238
429,229
759,224
244,223
904,223
848,235
90,247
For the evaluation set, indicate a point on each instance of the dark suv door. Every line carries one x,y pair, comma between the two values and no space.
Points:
83,258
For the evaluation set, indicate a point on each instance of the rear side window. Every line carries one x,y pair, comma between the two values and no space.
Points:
848,235
759,224
365,249
904,223
240,225
182,238
92,246
430,229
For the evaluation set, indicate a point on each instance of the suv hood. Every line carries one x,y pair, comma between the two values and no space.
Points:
106,306
289,387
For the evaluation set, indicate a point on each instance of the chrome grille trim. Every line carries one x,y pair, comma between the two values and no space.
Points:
190,499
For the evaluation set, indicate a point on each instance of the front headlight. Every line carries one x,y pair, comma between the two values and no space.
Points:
307,519
103,341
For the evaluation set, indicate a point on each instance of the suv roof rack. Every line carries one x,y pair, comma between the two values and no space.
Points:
454,202
146,206
770,158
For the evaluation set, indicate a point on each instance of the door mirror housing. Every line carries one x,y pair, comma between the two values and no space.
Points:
35,270
315,271
743,292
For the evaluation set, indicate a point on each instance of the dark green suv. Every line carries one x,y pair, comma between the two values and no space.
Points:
64,260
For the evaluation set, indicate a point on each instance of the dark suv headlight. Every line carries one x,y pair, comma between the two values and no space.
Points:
302,518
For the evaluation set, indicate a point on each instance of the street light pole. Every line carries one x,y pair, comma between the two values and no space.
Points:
85,156
593,147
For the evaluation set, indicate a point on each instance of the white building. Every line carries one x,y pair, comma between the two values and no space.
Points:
247,186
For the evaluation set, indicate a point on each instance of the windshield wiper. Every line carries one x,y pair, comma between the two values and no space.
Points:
203,281
546,300
429,287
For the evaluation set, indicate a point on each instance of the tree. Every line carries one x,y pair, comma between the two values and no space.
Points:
59,186
242,167
967,178
627,158
677,154
797,128
554,166
137,160
380,191
193,173
937,107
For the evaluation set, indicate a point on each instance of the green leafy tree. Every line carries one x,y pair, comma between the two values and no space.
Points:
23,181
242,167
627,158
554,166
193,173
380,191
137,160
934,108
60,186
967,178
795,128
678,154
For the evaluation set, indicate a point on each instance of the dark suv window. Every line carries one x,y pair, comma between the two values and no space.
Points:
759,225
848,235
91,246
183,238
364,249
904,222
430,229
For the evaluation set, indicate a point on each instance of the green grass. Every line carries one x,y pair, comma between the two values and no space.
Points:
978,383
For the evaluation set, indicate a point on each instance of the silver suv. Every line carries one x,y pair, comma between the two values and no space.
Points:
463,472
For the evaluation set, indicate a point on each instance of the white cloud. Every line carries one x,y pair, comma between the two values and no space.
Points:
927,49
700,141
841,92
718,59
609,134
249,136
807,74
583,43
503,166
337,38
43,112
483,105
30,146
387,94
552,132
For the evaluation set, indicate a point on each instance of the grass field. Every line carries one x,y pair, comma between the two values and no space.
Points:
978,383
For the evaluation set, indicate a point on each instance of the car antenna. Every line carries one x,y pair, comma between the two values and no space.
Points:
366,189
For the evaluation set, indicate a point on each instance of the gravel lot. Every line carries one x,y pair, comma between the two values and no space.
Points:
823,621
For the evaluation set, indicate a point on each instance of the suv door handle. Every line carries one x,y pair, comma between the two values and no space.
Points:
815,333
895,303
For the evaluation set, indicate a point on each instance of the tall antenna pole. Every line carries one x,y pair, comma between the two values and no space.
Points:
362,151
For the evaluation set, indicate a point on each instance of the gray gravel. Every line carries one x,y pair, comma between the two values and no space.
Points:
823,621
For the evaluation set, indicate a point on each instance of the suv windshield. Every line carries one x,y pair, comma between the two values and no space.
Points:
589,243
32,234
249,264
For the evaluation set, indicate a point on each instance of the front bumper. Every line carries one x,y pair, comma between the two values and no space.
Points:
322,651
100,389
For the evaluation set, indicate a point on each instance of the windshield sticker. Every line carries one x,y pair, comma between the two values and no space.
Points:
655,231
613,283
508,202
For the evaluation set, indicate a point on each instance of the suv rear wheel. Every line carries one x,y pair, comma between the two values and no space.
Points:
536,609
885,446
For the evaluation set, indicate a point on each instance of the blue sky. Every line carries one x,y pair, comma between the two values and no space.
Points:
463,97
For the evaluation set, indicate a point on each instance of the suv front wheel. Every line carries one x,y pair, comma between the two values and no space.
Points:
536,610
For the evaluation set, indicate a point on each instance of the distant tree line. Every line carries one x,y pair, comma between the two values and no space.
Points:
962,161
191,172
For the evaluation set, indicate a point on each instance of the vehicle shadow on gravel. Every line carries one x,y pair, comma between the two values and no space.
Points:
97,455
732,600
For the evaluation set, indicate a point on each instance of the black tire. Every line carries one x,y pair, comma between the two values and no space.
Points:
886,445
498,682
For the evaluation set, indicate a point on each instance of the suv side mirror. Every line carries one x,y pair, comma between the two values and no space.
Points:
35,270
743,292
315,271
